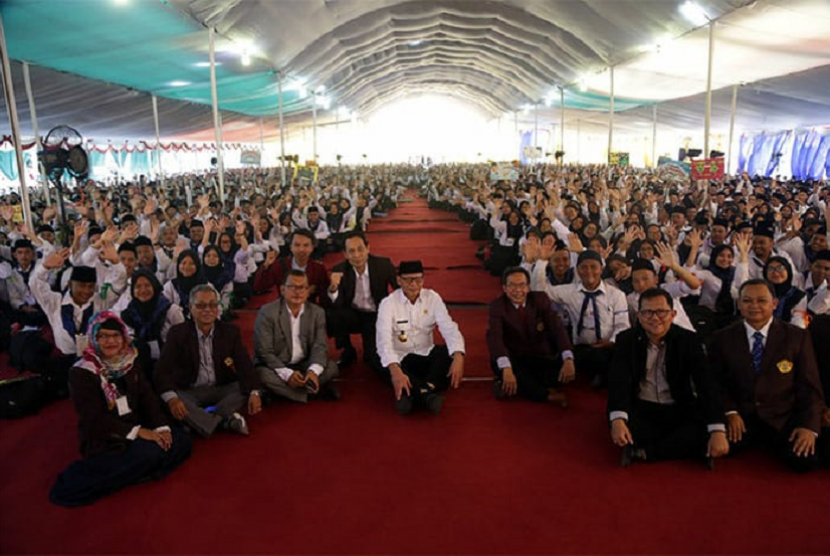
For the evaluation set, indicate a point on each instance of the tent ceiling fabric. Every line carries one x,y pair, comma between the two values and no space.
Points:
496,55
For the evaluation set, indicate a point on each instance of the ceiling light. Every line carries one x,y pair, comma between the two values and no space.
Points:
415,43
205,64
583,83
319,89
179,83
344,112
246,59
323,101
120,2
694,13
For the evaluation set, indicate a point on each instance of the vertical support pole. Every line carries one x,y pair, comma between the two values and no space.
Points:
314,127
27,80
562,121
535,126
261,136
611,117
11,107
282,132
217,132
731,128
654,136
578,141
158,139
707,121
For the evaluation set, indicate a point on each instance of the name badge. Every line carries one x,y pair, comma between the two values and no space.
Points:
154,350
122,406
81,341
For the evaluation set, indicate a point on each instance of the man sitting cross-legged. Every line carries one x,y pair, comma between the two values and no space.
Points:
291,354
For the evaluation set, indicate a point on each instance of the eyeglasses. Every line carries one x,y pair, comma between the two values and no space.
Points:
411,279
512,286
203,306
296,287
777,268
107,338
659,313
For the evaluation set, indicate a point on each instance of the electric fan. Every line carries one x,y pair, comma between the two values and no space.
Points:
63,152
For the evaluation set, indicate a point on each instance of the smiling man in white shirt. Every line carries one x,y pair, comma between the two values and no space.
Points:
420,370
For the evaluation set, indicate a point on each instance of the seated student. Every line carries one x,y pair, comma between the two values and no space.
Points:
151,257
662,398
769,380
219,274
357,287
125,437
273,270
420,370
149,316
644,277
203,364
69,314
291,353
188,276
530,352
597,312
819,273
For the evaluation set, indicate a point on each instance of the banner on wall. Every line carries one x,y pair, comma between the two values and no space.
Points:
708,169
251,157
503,171
533,152
305,172
671,169
619,159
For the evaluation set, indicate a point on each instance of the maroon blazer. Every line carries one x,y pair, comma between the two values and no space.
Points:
540,334
101,429
318,278
178,366
786,393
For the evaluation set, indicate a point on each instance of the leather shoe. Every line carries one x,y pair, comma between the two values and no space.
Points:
434,402
238,425
498,392
404,405
558,396
329,392
347,357
625,460
710,463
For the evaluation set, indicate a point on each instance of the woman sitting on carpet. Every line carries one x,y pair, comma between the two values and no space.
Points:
125,437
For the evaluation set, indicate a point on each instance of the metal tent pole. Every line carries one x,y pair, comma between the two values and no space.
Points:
611,117
562,121
731,128
282,131
314,127
707,122
11,108
158,139
33,112
654,136
216,125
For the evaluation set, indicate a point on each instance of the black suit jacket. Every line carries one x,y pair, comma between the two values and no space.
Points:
690,380
100,428
820,332
382,280
540,334
178,366
786,393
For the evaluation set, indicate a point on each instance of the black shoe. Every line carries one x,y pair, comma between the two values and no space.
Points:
404,405
434,402
625,460
347,357
710,464
498,392
329,392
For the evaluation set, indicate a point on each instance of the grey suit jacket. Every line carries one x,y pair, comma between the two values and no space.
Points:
272,335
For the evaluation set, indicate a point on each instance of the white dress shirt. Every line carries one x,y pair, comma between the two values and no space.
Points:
297,352
404,327
611,304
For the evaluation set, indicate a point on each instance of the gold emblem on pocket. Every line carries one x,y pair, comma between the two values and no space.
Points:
540,327
402,336
785,366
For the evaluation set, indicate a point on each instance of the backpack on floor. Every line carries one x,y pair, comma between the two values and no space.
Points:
23,396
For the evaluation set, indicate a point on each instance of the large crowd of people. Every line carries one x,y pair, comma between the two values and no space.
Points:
700,306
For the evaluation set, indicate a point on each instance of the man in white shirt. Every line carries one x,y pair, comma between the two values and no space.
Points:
291,354
598,312
420,370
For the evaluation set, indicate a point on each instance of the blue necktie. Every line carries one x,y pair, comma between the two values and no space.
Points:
757,351
592,296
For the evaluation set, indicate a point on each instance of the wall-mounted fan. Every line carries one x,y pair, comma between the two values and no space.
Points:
63,152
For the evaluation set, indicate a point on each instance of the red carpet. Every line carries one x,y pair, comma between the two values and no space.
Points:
354,477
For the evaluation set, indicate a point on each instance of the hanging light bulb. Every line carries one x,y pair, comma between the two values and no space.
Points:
246,58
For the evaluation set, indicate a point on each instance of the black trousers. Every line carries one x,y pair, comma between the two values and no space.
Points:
592,361
535,375
760,434
823,447
667,431
87,480
342,322
426,370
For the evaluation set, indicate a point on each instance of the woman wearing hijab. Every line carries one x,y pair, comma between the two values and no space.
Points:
719,287
125,437
149,316
188,276
218,273
792,302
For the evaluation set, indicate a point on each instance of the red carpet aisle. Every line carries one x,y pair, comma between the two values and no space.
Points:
353,477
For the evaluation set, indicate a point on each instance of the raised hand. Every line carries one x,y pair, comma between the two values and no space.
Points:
56,259
575,243
666,255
